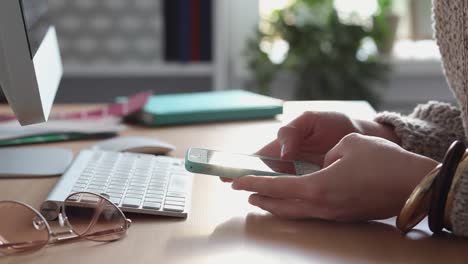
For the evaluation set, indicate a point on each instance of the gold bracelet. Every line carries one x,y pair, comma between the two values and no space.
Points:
453,188
417,205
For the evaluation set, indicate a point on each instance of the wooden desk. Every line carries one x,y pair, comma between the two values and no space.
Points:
223,228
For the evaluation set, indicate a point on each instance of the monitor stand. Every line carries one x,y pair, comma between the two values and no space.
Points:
33,162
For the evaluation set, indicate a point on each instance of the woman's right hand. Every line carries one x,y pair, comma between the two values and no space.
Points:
310,136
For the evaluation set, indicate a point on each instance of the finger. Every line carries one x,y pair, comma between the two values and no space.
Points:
305,121
293,135
285,208
339,150
277,186
224,179
318,203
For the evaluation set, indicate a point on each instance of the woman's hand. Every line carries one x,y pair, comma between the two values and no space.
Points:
313,134
364,178
310,136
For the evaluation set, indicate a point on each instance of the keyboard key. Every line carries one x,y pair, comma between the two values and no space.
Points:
151,205
154,199
156,190
176,194
131,202
153,192
134,191
174,203
157,182
138,184
116,188
134,195
160,197
173,208
175,199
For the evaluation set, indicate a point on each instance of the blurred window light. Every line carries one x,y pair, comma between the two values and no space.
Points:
368,49
416,50
266,7
279,51
360,8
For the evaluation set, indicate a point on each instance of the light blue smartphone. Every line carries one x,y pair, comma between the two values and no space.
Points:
233,165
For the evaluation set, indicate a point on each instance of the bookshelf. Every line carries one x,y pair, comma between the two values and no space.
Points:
72,16
167,69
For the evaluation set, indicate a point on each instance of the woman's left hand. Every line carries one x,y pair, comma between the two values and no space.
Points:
364,178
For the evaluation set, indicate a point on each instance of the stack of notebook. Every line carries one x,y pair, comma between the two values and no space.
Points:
173,109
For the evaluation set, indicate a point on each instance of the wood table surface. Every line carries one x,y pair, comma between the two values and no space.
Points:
222,227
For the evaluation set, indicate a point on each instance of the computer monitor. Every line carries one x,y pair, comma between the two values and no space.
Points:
30,63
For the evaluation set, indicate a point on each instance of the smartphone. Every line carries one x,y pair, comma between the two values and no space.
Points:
232,165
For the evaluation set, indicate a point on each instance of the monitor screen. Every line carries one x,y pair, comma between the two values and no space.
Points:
37,22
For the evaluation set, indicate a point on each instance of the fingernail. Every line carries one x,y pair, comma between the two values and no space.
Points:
235,185
284,150
253,200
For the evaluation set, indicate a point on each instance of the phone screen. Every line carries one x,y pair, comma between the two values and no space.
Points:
251,162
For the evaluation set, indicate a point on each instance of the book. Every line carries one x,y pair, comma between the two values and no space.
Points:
11,133
184,48
186,108
170,30
195,32
120,109
206,31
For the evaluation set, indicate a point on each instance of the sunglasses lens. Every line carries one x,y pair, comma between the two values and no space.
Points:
21,228
94,217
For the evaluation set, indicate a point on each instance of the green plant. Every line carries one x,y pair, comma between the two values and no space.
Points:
325,55
384,26
385,6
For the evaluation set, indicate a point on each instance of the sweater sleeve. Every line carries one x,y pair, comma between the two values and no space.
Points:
429,130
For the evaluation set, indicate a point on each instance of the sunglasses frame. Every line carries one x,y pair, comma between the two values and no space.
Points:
65,236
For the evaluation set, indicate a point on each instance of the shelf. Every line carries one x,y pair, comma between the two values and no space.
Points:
163,70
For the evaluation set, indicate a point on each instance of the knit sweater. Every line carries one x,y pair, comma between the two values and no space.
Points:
432,127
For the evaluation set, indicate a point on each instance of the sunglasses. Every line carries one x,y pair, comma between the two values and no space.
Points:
87,215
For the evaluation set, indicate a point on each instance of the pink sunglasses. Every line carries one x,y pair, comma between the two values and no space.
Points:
87,215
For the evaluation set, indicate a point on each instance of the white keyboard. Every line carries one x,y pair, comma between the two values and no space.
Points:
137,183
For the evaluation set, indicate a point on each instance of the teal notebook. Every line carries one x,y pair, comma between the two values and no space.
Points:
208,107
